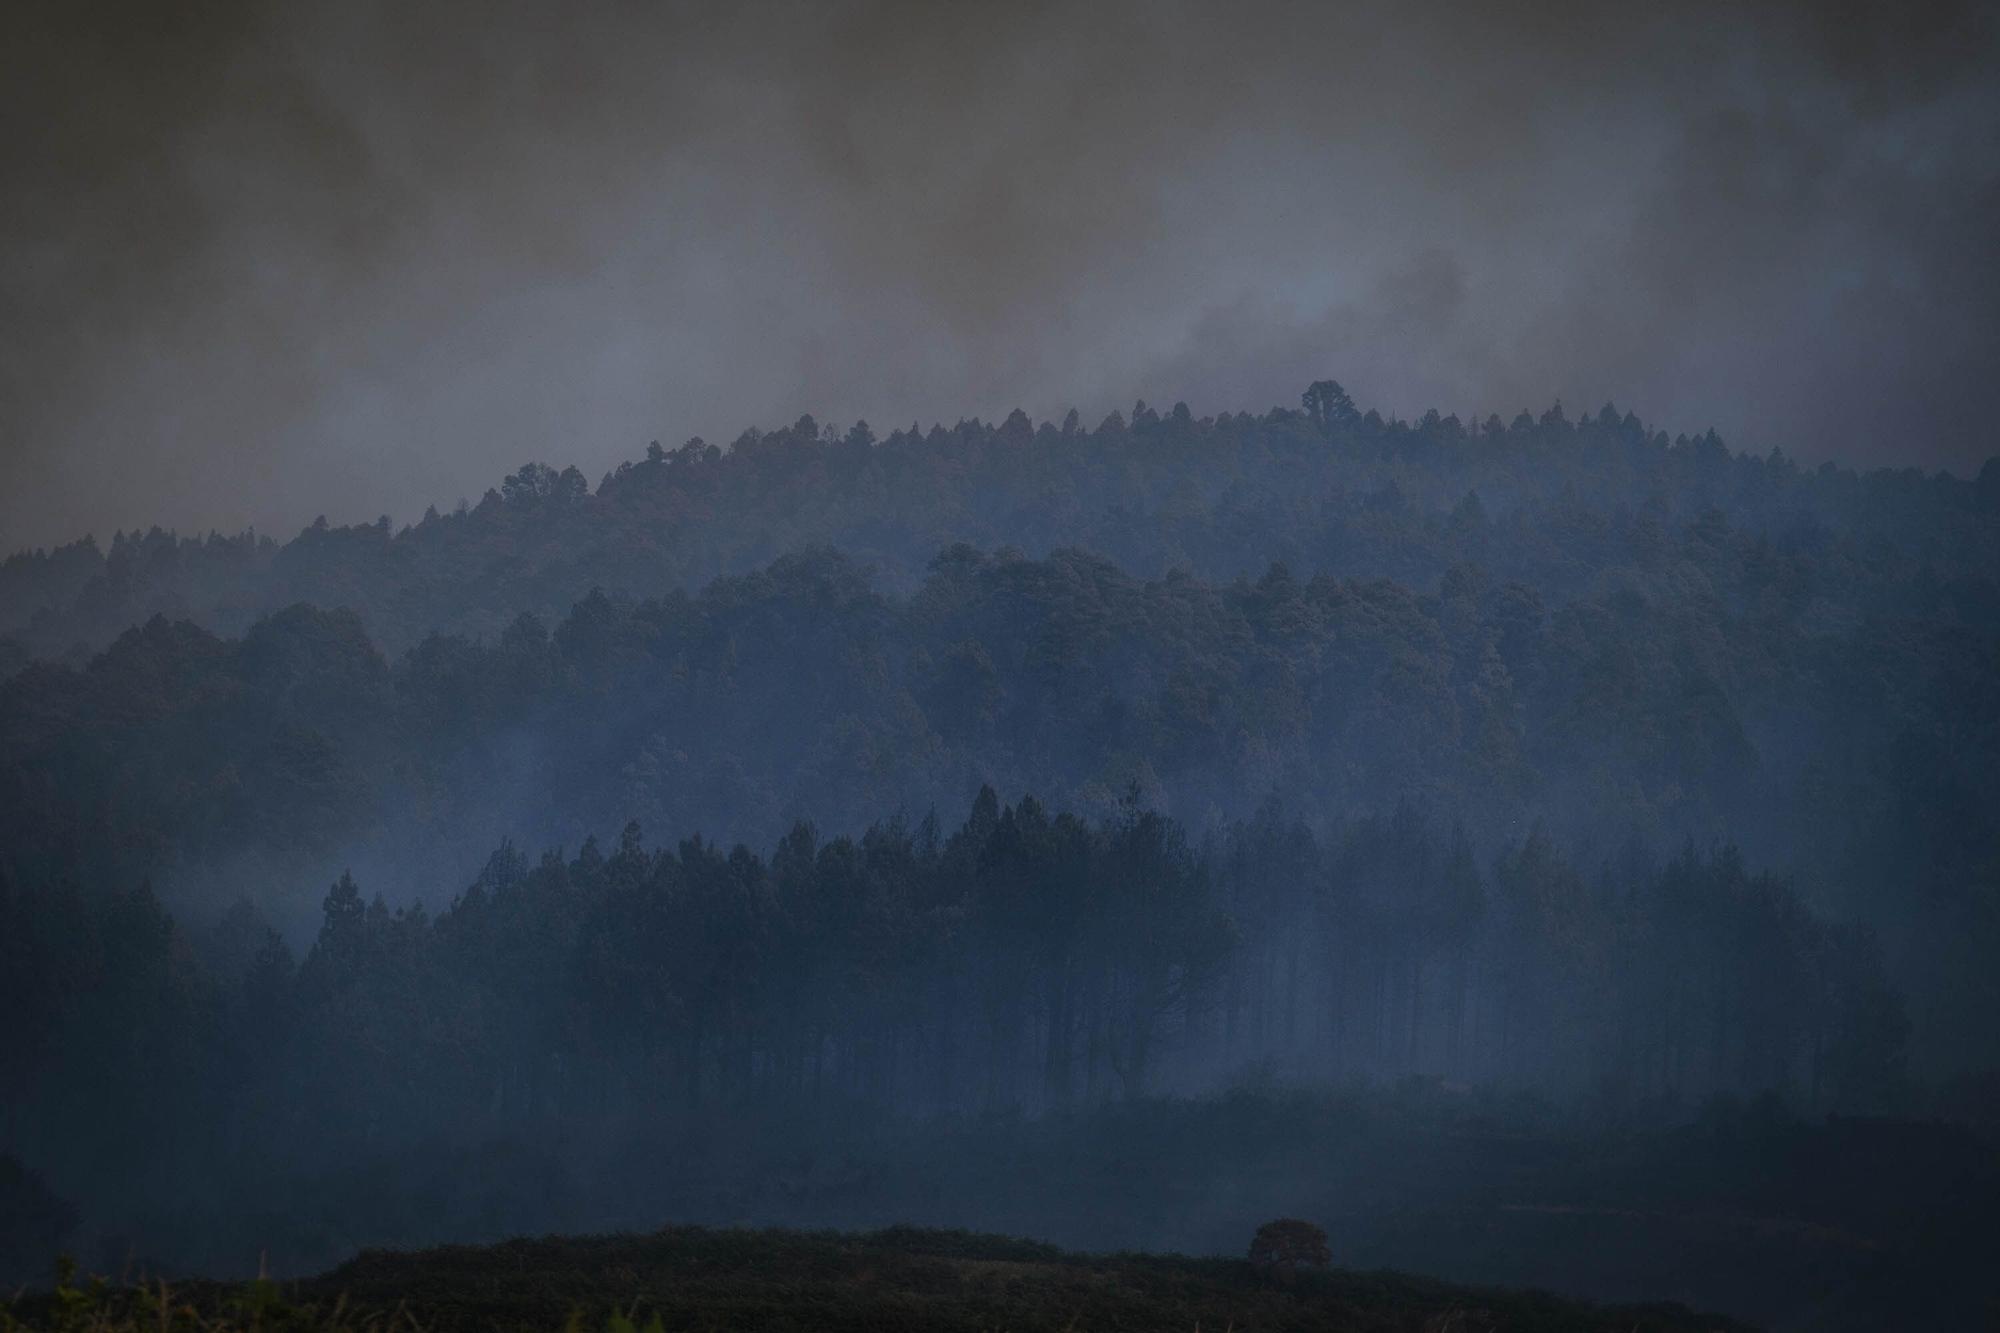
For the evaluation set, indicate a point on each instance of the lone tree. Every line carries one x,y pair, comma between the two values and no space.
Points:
1289,1244
1328,405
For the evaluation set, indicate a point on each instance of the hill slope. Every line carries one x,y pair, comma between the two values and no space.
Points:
897,1279
1544,502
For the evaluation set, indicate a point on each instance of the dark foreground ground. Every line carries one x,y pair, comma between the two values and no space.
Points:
904,1278
1835,1225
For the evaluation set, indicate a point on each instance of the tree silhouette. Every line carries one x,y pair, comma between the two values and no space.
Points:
1289,1244
1328,405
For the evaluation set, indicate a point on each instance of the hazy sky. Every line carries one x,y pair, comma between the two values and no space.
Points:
260,263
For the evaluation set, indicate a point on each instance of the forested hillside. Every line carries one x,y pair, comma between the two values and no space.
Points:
1024,960
1549,502
1697,689
574,1039
1552,765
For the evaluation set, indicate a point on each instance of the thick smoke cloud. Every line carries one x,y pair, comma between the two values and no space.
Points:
262,263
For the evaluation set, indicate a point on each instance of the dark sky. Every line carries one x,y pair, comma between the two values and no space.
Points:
262,263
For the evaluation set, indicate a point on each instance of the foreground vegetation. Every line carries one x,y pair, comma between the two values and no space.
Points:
901,1278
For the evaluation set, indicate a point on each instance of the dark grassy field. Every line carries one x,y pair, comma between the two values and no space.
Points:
907,1279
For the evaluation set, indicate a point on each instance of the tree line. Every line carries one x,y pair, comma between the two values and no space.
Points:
1704,695
1328,489
1027,960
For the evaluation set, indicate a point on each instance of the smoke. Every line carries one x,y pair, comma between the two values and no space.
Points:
260,263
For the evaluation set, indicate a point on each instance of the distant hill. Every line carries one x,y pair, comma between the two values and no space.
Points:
1545,501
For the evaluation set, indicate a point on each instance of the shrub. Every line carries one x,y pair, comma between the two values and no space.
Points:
1288,1244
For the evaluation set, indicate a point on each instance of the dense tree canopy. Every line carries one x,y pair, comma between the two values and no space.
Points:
1548,502
1554,759
1027,960
1687,695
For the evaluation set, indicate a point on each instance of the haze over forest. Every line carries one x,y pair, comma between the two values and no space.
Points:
263,263
1102,623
